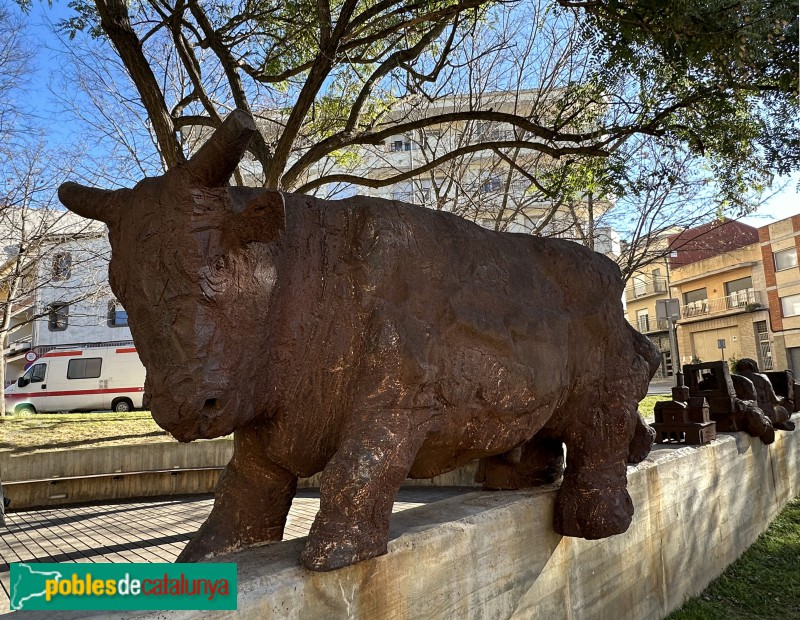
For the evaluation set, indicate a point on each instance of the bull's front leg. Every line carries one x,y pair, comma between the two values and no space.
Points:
593,501
358,489
251,503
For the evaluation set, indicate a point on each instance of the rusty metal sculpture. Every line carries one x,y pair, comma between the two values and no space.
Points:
685,419
777,410
371,340
729,399
786,388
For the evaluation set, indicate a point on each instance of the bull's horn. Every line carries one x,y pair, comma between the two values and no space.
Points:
96,204
216,160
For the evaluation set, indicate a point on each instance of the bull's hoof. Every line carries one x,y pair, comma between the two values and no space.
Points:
788,425
196,550
768,436
324,554
592,513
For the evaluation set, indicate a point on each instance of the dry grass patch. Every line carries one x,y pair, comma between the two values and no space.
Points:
78,430
649,402
83,430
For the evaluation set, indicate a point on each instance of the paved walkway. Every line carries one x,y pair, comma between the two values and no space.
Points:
142,531
661,386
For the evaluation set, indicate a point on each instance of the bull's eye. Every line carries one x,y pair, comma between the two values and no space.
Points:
221,264
213,279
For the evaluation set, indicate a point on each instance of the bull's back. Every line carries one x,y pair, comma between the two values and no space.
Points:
475,315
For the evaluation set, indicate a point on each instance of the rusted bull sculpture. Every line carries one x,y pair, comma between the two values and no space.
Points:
371,340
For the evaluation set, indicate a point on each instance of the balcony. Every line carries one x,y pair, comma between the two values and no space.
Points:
17,347
748,299
657,286
645,325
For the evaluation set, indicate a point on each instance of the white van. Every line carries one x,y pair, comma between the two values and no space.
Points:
80,379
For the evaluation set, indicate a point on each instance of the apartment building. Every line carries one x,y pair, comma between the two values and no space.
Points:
645,288
678,249
478,185
724,314
779,246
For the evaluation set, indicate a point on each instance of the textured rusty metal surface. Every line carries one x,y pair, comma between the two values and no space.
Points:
370,340
731,399
778,410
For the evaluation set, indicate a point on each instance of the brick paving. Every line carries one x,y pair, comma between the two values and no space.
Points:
142,530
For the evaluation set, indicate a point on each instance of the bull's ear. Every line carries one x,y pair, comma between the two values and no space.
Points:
96,204
214,163
261,217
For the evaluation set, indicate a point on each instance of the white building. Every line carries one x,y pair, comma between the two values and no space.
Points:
65,301
478,185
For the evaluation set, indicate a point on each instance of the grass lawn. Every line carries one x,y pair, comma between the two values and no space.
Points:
82,430
78,430
646,406
763,583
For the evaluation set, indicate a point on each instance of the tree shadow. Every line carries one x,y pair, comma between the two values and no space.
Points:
97,441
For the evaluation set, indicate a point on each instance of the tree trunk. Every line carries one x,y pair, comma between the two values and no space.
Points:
3,379
116,23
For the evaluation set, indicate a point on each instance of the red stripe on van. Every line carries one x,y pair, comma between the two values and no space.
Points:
128,350
74,393
62,353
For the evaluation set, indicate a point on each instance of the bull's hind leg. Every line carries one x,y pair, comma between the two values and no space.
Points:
538,461
251,502
358,489
593,501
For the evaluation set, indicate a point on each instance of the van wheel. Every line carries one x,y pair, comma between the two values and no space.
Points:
24,410
123,405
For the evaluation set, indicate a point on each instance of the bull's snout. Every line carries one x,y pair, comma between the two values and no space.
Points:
195,417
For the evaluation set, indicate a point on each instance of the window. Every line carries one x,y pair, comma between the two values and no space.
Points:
790,305
62,264
432,138
643,320
37,373
117,316
785,259
639,286
491,131
695,302
491,184
84,368
742,284
58,317
698,294
739,292
399,145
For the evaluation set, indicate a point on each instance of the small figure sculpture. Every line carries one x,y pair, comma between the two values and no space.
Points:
767,400
370,340
728,406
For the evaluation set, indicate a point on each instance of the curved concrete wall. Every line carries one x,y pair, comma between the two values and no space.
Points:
495,555
57,477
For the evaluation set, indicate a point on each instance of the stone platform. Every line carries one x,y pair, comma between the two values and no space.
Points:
483,554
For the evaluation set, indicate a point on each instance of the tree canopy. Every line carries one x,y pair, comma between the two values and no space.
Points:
584,86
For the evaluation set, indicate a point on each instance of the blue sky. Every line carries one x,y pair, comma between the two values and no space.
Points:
783,204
